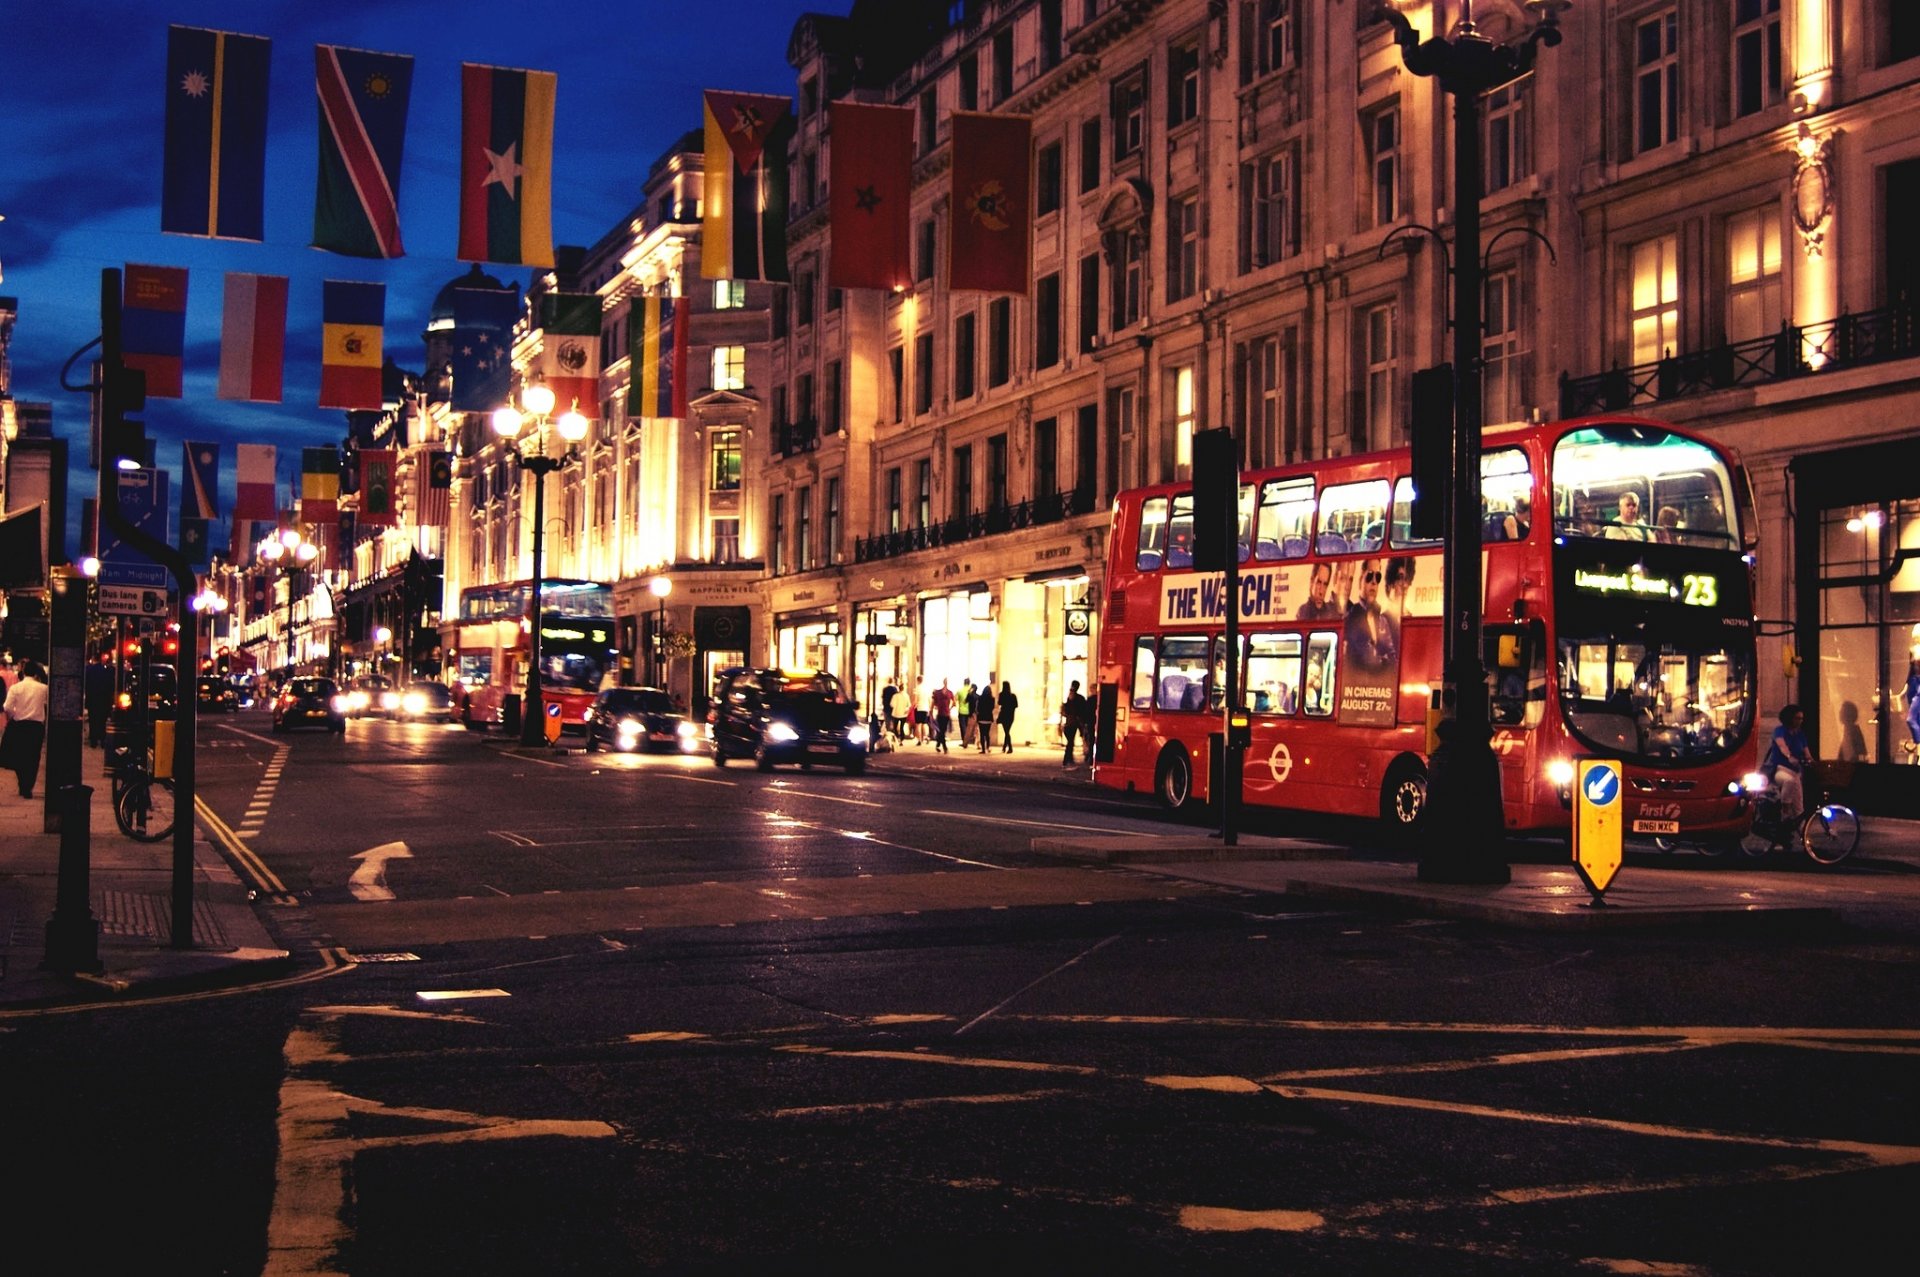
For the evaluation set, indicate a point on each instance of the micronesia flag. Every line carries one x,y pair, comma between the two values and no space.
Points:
363,126
216,138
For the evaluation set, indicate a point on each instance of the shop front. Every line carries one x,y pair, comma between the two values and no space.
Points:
679,629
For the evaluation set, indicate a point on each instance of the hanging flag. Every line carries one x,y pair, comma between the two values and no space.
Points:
353,315
871,180
483,347
319,485
506,165
193,538
570,350
253,494
253,337
153,326
216,134
376,488
349,530
744,199
432,497
656,359
363,129
200,494
991,247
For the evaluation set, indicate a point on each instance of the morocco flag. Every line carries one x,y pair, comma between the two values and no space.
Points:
506,165
991,248
744,199
872,183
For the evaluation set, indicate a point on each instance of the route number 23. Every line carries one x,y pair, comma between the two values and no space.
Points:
1701,591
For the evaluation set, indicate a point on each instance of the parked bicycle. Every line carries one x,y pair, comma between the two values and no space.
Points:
142,802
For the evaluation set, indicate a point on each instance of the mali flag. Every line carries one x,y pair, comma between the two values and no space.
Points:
656,359
350,344
506,165
744,198
991,247
872,184
363,128
214,180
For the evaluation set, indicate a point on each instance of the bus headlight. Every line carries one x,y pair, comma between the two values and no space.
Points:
1754,782
1560,772
781,732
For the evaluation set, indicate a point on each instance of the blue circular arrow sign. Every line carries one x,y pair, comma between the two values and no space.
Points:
1602,786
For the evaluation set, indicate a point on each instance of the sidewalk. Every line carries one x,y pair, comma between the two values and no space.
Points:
1028,763
131,896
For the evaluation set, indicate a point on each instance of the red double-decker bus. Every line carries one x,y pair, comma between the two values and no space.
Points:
1618,623
495,643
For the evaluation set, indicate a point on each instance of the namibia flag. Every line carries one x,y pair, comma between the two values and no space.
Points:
363,128
744,199
506,165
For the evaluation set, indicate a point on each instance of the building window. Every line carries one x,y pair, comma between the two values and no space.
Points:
1052,29
923,492
836,297
1003,64
1376,425
803,401
1178,456
807,190
1506,148
1046,458
832,513
1381,129
897,374
1756,55
962,504
726,541
1503,385
729,367
1183,81
1129,111
1047,179
963,356
729,294
923,250
781,301
1754,292
1261,415
830,422
1183,248
1269,209
1901,31
1086,454
723,451
1089,302
969,69
997,472
780,416
1127,277
1089,155
999,341
1655,299
1046,321
1656,81
895,514
1273,38
803,300
929,121
803,528
777,527
923,373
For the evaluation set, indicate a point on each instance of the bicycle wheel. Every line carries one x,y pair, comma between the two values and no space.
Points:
145,810
1830,833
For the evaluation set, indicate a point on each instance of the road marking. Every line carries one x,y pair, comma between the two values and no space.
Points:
931,1057
1087,952
250,864
825,798
1038,824
369,880
332,963
461,995
702,780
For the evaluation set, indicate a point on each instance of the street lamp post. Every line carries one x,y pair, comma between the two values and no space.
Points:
536,405
661,587
1466,825
208,603
290,551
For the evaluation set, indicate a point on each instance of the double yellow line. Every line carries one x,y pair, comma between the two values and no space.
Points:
264,879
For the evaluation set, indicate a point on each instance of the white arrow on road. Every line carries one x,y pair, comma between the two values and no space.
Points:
369,881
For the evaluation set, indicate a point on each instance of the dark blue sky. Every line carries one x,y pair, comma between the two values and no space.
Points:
80,186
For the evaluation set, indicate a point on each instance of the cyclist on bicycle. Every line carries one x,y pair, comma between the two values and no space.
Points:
1787,760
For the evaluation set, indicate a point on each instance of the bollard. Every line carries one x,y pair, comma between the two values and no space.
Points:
73,935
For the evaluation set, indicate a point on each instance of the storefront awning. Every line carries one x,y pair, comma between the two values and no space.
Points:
1057,574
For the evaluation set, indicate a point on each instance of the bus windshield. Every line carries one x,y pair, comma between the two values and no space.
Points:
575,652
1624,481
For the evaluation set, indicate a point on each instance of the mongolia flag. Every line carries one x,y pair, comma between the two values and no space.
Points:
570,350
253,496
363,127
376,488
216,140
483,347
353,315
506,165
320,485
991,248
153,326
200,467
656,360
253,337
872,185
744,200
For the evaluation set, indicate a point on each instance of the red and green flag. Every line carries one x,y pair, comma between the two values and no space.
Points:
363,129
506,165
744,197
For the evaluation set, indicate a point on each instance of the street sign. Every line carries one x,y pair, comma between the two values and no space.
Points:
133,600
553,721
143,501
1597,834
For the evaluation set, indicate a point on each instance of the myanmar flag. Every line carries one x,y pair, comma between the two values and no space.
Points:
991,248
656,359
350,344
506,165
363,128
744,200
570,350
872,185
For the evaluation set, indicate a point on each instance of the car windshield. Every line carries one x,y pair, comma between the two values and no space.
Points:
311,687
639,701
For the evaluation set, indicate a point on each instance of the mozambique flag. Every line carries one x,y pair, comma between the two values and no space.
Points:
200,471
570,350
216,134
872,187
656,359
363,129
320,485
744,200
991,248
353,315
153,326
506,165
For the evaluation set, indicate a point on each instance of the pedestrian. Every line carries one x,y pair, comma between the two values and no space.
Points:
1003,706
26,711
920,712
942,715
983,714
964,703
899,706
98,689
1073,714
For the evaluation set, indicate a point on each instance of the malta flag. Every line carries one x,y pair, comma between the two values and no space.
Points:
320,485
153,326
363,129
570,351
253,496
991,247
200,468
872,182
656,359
253,337
744,199
376,488
353,316
216,134
506,165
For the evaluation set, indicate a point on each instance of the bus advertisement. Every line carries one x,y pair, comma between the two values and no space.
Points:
577,648
1618,623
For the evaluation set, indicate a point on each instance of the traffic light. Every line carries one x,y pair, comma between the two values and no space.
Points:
1216,499
124,392
1432,450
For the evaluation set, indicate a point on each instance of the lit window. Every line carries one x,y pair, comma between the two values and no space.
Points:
1655,299
729,367
1754,293
1181,428
729,294
724,450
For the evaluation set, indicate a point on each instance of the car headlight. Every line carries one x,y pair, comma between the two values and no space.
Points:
1754,782
1560,772
414,703
356,700
781,732
389,700
857,734
686,730
629,727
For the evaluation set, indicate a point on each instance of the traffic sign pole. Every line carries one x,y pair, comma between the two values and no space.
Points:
1598,837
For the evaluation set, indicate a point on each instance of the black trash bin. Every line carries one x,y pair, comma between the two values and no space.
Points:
510,714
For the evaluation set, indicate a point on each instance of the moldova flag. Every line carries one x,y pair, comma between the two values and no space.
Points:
991,248
363,127
656,360
353,315
320,485
253,337
153,326
483,347
506,165
570,350
744,199
200,468
872,187
216,134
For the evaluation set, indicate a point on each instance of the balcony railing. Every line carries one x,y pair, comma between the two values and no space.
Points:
795,437
1041,510
1846,342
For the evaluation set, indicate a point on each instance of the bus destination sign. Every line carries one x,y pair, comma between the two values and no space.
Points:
1691,589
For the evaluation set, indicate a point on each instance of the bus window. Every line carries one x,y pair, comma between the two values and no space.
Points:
1152,552
1144,659
1284,520
1318,696
1626,481
1273,673
1506,495
1183,672
1217,686
1403,517
1243,523
1180,534
1353,518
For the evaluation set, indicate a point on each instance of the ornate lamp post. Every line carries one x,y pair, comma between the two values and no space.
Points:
291,552
1465,823
536,405
208,603
661,587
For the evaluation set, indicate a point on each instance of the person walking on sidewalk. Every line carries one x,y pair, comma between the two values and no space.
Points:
964,703
983,714
26,711
1073,721
942,715
1003,707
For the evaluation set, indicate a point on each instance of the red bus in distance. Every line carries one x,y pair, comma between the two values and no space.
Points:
577,647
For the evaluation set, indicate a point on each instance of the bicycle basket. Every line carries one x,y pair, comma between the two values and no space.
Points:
1825,774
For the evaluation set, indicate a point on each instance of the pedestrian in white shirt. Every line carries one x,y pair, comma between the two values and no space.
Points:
26,711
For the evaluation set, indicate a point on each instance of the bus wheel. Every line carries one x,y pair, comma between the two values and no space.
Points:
1173,780
1403,799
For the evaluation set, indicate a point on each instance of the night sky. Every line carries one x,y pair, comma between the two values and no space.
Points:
82,105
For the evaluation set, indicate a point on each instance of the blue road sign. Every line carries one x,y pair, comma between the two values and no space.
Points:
143,500
1602,786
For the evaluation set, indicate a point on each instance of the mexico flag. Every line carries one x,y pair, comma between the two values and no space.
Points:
744,199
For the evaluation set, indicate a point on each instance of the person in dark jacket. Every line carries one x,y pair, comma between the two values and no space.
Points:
1003,707
983,714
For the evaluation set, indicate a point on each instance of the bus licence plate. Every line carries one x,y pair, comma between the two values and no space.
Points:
1656,826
